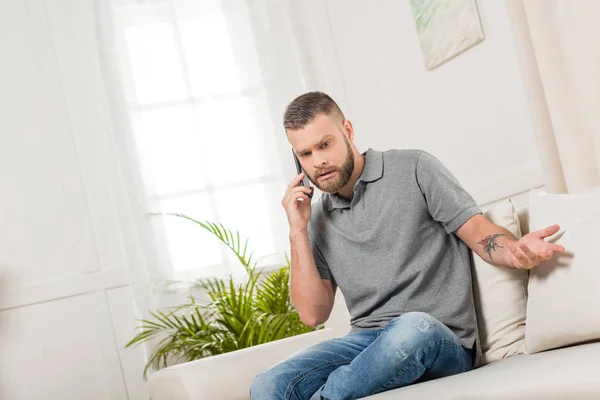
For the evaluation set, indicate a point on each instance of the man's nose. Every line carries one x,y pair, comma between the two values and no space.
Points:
319,162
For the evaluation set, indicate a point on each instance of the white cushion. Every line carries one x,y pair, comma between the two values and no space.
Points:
500,296
564,292
228,376
570,373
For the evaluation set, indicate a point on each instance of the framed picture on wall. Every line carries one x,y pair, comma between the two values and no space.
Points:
446,28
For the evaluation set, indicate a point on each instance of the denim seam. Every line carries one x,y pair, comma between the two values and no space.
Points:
443,341
295,381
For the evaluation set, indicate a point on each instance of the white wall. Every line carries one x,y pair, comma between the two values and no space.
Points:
470,112
66,309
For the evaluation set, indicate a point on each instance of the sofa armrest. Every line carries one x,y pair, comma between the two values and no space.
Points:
229,375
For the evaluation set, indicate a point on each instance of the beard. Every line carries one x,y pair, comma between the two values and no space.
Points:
332,185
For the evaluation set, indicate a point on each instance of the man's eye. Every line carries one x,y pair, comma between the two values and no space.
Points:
325,144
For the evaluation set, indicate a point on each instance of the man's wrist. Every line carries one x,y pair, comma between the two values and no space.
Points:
298,232
506,253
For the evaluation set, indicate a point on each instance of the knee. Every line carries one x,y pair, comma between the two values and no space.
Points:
421,321
413,325
268,384
410,335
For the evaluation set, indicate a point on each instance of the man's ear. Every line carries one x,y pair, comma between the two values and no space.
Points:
348,129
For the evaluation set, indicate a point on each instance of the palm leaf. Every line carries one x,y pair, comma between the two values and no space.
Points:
224,235
273,294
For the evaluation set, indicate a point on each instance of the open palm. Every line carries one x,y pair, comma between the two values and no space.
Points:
532,249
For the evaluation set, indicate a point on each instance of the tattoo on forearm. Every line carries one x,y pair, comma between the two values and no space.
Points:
490,244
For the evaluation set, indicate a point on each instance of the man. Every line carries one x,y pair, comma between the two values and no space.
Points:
392,230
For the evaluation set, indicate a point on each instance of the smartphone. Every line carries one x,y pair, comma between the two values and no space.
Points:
305,181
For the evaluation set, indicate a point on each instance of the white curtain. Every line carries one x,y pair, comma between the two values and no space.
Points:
197,91
557,44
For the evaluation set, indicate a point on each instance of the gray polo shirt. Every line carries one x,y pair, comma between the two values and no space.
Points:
391,248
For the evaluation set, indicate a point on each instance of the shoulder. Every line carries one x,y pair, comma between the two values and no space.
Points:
403,161
415,158
402,155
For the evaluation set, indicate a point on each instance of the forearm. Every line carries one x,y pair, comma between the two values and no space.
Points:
493,246
500,247
308,292
488,240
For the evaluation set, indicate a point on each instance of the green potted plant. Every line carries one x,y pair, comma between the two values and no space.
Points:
238,315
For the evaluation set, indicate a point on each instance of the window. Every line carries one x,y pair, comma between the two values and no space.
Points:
202,128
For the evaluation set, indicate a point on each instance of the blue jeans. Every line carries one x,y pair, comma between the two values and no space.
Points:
414,347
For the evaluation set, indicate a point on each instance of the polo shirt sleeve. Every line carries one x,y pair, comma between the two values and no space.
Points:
448,202
322,267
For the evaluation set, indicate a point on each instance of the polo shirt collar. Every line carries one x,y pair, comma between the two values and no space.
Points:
372,171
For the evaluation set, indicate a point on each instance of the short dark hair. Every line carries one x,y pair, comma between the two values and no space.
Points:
303,109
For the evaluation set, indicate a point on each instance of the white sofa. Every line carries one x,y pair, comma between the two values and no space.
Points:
567,373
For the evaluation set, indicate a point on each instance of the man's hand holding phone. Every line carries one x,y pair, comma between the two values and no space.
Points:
296,203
